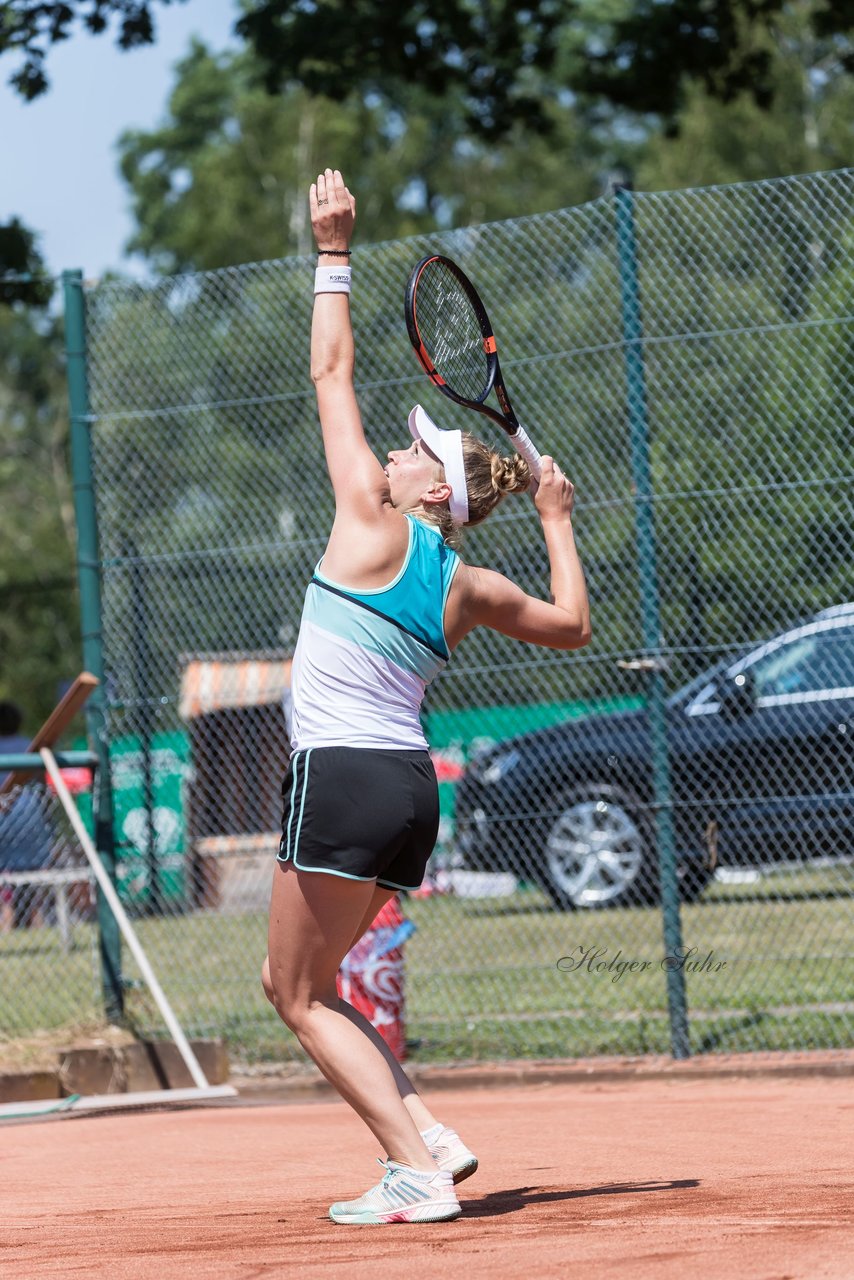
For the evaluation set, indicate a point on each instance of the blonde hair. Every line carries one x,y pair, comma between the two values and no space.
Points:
489,478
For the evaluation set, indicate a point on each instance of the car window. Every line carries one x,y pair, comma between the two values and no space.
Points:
818,658
812,663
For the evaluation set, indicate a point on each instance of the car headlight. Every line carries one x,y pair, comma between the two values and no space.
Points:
496,767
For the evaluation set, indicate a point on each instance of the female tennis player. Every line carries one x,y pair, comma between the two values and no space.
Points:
387,605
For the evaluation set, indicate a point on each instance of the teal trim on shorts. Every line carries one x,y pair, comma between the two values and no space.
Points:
291,811
302,805
324,871
389,884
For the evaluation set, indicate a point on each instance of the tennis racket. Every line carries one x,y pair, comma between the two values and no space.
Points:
452,337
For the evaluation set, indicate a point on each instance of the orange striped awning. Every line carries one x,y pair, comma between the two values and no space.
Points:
218,682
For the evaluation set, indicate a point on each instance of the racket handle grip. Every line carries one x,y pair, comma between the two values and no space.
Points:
532,456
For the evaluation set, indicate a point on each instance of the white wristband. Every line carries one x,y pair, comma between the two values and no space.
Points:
332,279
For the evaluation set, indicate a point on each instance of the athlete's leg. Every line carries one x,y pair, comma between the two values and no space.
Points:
423,1117
313,920
445,1145
379,899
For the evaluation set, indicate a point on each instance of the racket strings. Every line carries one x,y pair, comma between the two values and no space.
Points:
450,332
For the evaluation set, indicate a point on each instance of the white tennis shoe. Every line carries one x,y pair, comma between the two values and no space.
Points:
404,1195
451,1155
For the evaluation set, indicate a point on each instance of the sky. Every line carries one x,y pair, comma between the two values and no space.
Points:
60,165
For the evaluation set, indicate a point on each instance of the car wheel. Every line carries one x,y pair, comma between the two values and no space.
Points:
599,851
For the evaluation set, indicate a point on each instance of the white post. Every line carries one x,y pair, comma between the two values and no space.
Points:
63,918
122,920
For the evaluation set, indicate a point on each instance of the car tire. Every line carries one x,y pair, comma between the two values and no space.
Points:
599,850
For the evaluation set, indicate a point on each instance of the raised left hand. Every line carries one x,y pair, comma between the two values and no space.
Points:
333,210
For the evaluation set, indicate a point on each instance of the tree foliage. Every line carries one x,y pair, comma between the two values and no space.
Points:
223,178
23,281
31,27
488,51
498,57
654,51
38,627
756,90
213,458
491,55
807,128
39,633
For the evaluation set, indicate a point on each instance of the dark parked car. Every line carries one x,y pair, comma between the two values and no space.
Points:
762,769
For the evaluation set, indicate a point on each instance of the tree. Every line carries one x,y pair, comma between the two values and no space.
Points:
23,280
223,179
38,611
495,57
214,462
332,48
807,126
652,54
492,55
30,27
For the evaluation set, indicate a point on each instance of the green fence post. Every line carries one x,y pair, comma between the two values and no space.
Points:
143,719
651,624
89,581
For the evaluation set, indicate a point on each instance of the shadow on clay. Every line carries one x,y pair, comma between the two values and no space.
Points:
510,1201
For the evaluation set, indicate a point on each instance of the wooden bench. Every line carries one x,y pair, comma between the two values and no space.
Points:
58,879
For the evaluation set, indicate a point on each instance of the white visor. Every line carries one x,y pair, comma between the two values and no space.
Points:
447,446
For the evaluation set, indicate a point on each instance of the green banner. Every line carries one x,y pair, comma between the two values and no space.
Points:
170,766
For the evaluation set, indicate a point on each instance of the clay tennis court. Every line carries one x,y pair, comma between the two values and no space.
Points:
647,1178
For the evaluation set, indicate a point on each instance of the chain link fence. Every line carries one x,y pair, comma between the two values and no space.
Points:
541,932
49,955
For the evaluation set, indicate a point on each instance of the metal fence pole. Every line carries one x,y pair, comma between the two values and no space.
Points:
89,580
650,618
143,720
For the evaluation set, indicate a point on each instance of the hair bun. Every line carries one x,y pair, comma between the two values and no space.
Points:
510,474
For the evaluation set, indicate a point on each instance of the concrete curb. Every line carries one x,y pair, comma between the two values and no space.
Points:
152,1066
115,1069
303,1084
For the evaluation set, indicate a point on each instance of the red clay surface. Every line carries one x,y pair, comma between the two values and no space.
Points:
645,1180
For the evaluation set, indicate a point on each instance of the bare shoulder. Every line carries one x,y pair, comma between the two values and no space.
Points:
468,600
366,551
480,585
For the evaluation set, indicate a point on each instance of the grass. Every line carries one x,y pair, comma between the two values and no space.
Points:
775,971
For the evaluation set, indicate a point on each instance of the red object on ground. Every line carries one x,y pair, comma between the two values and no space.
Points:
371,977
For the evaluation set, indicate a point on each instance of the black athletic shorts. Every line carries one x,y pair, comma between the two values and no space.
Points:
361,814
